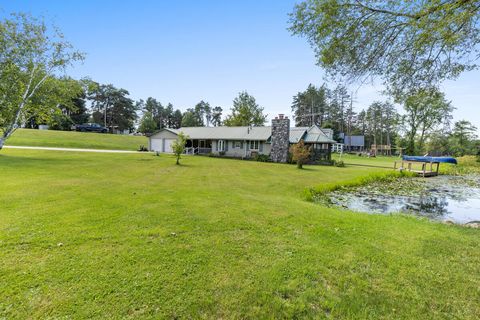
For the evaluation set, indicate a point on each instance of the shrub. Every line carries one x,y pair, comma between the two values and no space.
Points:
300,153
339,164
326,162
290,158
142,148
261,158
60,122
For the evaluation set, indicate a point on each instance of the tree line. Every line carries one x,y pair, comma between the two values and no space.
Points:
113,108
35,90
409,46
425,126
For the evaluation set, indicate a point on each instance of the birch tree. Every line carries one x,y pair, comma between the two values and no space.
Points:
31,53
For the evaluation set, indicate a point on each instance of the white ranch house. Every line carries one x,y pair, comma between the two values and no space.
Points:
246,142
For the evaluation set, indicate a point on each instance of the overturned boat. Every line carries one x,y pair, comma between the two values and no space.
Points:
430,159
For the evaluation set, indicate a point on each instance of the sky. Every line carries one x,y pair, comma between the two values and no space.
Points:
186,51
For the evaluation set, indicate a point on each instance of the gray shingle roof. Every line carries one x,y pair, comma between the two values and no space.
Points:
311,135
296,133
316,135
227,133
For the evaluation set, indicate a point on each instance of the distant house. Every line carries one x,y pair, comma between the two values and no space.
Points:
353,143
246,142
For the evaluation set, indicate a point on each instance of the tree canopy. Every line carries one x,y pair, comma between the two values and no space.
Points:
407,44
300,153
245,112
112,107
425,111
32,55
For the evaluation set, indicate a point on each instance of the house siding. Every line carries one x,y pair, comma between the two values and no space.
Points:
164,134
233,152
159,139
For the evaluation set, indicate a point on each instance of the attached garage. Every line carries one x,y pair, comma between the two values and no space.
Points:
162,141
167,145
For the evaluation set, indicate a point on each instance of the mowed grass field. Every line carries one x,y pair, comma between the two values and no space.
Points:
73,139
375,162
114,236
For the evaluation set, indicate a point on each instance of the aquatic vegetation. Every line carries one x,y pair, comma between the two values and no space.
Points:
453,198
318,193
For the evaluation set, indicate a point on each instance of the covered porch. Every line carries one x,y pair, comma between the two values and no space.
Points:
198,146
320,151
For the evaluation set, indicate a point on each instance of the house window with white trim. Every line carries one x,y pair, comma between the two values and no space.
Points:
221,145
254,145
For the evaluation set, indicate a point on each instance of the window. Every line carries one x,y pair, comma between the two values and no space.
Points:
221,145
237,144
253,145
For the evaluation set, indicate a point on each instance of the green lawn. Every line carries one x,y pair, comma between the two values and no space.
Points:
72,139
114,236
380,161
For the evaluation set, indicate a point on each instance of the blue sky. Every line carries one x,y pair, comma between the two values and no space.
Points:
186,51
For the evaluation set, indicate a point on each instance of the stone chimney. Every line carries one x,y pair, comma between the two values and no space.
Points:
280,138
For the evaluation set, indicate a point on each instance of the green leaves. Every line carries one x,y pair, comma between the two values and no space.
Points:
31,56
245,112
407,44
178,146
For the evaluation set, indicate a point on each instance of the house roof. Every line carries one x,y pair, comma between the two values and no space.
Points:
316,135
296,134
227,133
310,134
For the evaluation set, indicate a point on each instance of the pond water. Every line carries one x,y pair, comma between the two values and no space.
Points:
444,198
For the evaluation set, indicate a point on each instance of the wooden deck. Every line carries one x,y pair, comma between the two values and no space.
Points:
423,169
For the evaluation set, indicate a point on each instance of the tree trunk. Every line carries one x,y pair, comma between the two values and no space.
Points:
299,165
411,143
2,141
422,139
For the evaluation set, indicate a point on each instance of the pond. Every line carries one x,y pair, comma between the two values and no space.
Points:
443,198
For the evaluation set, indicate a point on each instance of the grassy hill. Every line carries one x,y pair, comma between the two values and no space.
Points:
134,236
72,139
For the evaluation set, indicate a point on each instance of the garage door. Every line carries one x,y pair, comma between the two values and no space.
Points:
168,145
156,145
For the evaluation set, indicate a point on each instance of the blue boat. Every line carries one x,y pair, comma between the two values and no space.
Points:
430,159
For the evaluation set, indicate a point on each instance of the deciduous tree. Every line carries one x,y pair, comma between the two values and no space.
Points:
425,109
407,44
245,112
178,146
300,153
147,123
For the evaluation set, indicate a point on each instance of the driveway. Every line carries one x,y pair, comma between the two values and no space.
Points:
69,149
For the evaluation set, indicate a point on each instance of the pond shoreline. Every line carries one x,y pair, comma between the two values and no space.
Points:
452,199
